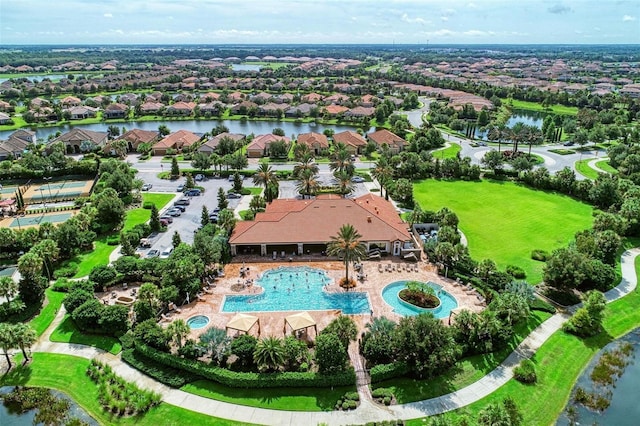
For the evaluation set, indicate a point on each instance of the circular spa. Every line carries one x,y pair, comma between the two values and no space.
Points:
391,296
197,322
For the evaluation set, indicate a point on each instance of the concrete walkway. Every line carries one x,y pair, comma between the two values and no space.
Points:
367,411
594,166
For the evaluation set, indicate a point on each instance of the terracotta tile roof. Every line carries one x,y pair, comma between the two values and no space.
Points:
80,135
313,139
139,136
335,109
288,221
384,136
262,142
349,137
178,139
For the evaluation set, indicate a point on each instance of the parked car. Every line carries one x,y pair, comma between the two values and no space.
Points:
153,253
216,210
199,178
182,202
145,243
166,252
146,187
230,178
180,187
481,143
233,195
179,207
213,218
195,192
164,221
174,212
169,219
568,143
357,179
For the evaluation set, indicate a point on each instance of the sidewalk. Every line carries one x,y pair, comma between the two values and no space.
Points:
367,411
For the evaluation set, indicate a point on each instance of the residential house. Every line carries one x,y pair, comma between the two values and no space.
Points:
211,145
151,108
312,98
302,110
81,112
116,110
368,101
5,118
176,141
334,110
353,141
259,146
181,108
6,106
336,98
70,101
243,107
81,140
211,108
271,109
16,144
360,112
385,137
135,137
317,142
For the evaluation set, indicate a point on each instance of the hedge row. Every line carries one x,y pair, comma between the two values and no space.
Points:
166,375
247,380
388,371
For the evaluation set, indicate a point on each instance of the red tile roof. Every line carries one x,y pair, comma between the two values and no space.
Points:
349,137
313,139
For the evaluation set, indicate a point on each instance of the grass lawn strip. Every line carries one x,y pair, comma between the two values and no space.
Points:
504,221
464,372
582,167
449,152
67,373
604,165
559,363
290,399
67,332
48,312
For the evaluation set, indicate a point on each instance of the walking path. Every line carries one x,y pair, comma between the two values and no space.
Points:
594,166
367,411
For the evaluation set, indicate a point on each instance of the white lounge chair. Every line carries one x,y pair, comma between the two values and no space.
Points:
380,267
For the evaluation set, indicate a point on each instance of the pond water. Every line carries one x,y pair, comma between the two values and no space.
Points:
8,418
245,67
624,409
197,126
531,118
37,78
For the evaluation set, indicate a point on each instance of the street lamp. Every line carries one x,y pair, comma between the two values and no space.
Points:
42,198
48,179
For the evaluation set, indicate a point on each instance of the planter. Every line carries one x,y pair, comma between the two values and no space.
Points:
424,308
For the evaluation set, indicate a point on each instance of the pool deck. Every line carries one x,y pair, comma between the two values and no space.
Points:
272,323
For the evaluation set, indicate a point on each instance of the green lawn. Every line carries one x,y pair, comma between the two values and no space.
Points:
505,222
604,165
449,152
140,215
293,399
559,362
255,190
464,372
68,374
88,260
48,312
67,332
535,106
582,167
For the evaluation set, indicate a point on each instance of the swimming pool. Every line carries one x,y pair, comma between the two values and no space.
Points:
197,322
390,295
297,288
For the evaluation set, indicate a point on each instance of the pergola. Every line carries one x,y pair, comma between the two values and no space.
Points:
299,321
243,322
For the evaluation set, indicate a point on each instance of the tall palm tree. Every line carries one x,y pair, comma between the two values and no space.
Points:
348,246
265,176
341,161
269,354
7,340
345,186
305,163
307,183
217,343
178,329
301,151
25,336
383,173
8,288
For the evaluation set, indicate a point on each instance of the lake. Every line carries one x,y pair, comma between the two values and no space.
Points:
197,126
37,78
624,409
531,118
245,67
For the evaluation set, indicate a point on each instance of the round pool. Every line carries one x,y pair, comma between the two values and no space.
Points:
198,321
400,307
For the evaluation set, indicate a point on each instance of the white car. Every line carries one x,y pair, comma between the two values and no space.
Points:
147,186
357,179
166,253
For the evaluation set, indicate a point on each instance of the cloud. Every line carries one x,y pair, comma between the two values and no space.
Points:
108,15
559,8
444,18
478,33
409,20
628,18
472,6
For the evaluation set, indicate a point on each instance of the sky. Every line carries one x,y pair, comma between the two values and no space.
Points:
319,21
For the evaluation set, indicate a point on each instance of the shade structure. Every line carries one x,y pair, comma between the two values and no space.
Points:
299,321
243,322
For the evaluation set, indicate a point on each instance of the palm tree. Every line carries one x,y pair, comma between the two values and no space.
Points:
345,186
217,343
383,173
269,354
341,161
305,163
265,176
348,246
48,250
148,292
8,288
7,340
308,183
25,336
178,329
382,326
301,151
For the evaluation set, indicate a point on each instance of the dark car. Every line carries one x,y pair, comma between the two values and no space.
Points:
164,221
193,192
233,195
153,253
213,218
179,207
568,143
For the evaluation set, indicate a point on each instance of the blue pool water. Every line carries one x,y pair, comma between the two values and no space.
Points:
297,288
199,321
390,295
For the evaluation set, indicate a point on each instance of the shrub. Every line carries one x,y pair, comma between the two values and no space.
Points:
388,371
150,333
539,255
525,372
540,305
102,275
147,205
113,240
66,271
381,393
166,375
75,299
62,285
87,316
516,272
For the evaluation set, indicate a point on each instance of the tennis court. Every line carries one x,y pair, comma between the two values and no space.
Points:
29,221
8,190
69,190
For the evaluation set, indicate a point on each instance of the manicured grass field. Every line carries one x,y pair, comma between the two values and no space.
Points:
505,222
140,215
68,374
582,167
448,152
48,312
535,106
604,165
67,332
559,362
464,372
291,399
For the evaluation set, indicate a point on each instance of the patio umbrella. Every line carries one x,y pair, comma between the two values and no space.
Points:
299,321
243,322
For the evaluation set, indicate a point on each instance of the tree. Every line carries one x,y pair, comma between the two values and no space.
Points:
306,162
383,173
295,353
178,330
204,216
505,414
345,186
113,319
307,184
257,204
446,254
511,308
493,160
565,269
163,130
237,182
8,288
148,293
110,209
87,316
154,221
7,340
200,161
377,345
331,356
341,161
265,176
217,343
269,354
344,328
222,199
243,347
175,239
347,245
522,164
226,220
587,321
175,169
